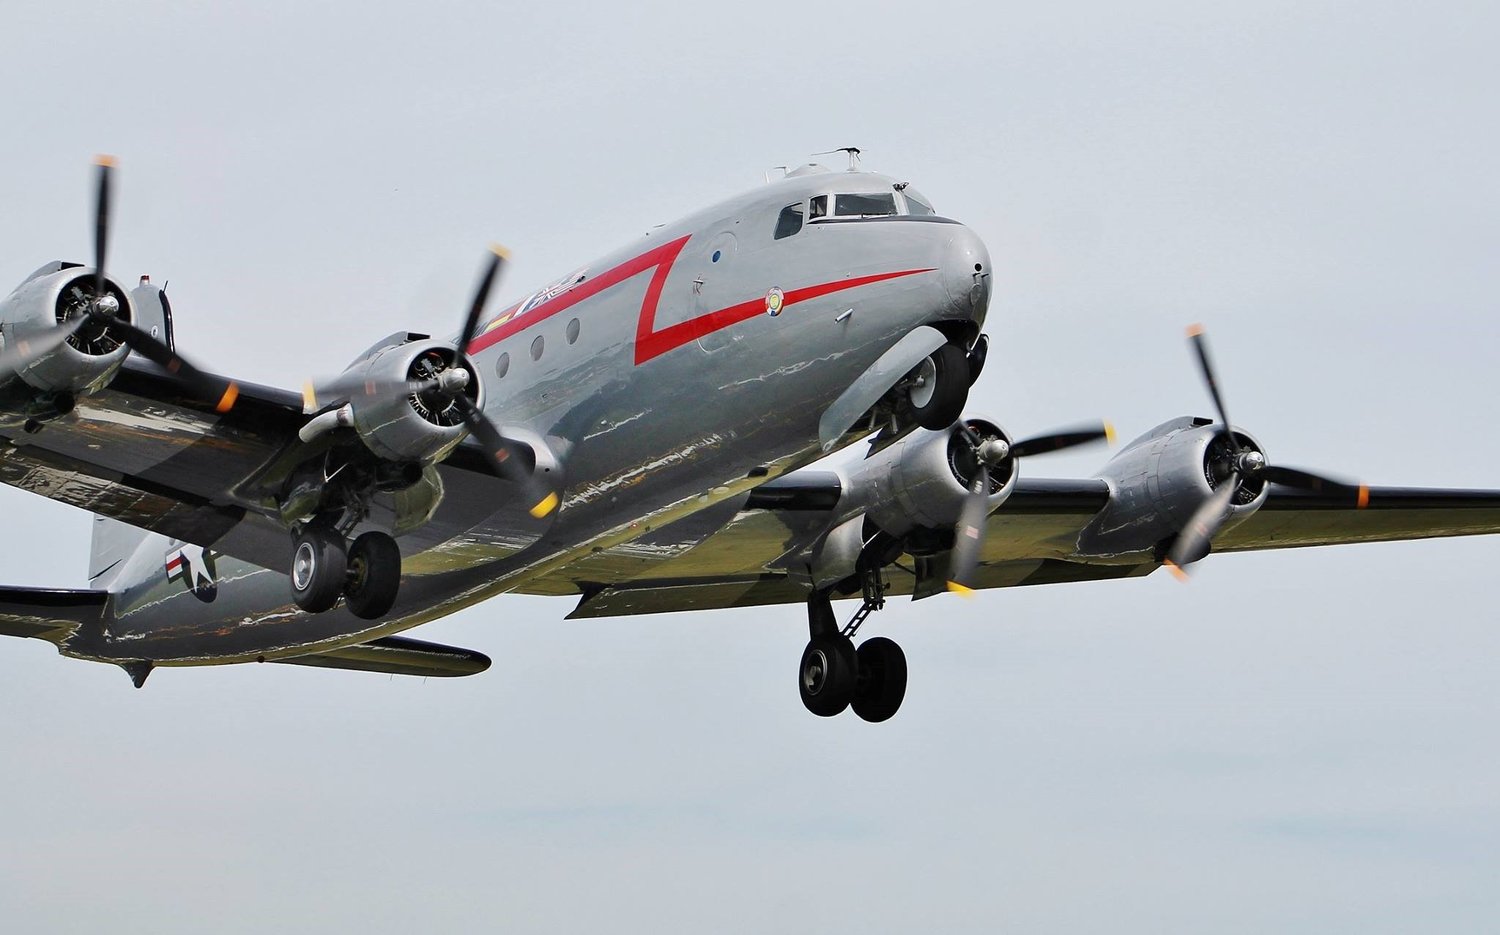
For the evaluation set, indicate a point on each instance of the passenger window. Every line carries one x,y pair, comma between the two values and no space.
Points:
864,206
790,221
819,208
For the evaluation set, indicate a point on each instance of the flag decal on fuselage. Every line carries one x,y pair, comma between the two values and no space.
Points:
194,566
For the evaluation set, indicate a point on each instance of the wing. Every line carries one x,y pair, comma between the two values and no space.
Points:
1032,539
1295,518
146,451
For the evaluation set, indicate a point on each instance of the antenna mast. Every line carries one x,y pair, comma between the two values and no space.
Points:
853,152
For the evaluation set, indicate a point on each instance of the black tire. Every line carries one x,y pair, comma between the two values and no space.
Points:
939,401
319,568
827,675
374,576
882,679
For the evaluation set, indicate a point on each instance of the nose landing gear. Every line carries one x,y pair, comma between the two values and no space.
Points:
366,573
833,675
939,387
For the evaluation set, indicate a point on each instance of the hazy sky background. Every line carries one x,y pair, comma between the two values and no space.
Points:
1298,741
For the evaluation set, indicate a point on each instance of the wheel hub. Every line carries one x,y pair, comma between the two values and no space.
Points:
924,383
815,673
304,566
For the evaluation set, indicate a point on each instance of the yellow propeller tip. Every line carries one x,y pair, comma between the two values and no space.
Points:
1364,497
1194,330
309,397
960,590
1176,570
499,251
1109,433
104,161
547,505
226,402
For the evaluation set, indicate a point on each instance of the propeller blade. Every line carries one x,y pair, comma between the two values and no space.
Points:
540,499
1200,344
1307,480
1195,539
498,256
21,353
220,392
106,166
968,537
1057,441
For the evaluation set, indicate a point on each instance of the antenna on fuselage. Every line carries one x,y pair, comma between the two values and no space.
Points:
784,170
853,152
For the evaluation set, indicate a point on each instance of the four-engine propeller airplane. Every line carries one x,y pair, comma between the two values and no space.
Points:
635,434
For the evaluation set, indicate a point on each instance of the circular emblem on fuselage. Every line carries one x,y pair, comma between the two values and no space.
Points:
775,299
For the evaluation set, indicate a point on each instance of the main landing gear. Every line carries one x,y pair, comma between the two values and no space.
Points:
365,573
834,675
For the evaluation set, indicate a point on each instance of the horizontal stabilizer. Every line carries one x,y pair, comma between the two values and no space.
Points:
395,655
47,614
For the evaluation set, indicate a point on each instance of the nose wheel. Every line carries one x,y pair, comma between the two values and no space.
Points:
938,388
366,573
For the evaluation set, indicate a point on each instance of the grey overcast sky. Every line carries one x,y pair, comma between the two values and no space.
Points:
1297,742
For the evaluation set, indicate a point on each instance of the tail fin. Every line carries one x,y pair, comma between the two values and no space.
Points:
113,543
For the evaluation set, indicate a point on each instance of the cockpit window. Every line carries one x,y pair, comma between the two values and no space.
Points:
819,208
789,221
864,206
916,204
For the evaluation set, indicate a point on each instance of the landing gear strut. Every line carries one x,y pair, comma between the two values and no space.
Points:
833,675
367,573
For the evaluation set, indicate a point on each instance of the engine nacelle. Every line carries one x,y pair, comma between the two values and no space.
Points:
411,427
91,356
921,482
1159,480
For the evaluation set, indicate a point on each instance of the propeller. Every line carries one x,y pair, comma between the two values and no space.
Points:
968,537
1244,463
103,313
447,389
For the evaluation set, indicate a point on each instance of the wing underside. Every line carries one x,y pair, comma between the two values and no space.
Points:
1030,540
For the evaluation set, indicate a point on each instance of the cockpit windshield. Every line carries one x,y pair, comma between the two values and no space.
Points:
864,206
917,205
849,207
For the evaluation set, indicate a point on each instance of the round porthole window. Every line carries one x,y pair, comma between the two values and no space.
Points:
537,347
502,365
573,328
717,254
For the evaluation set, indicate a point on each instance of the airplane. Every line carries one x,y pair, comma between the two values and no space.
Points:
645,435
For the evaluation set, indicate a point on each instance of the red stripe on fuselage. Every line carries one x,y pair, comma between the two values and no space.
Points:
650,342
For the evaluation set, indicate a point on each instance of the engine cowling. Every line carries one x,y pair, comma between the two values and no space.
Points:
921,482
1159,480
410,427
91,356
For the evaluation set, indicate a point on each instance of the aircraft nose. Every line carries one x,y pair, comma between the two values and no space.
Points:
966,273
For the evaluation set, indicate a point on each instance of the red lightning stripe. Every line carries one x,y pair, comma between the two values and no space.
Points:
649,342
